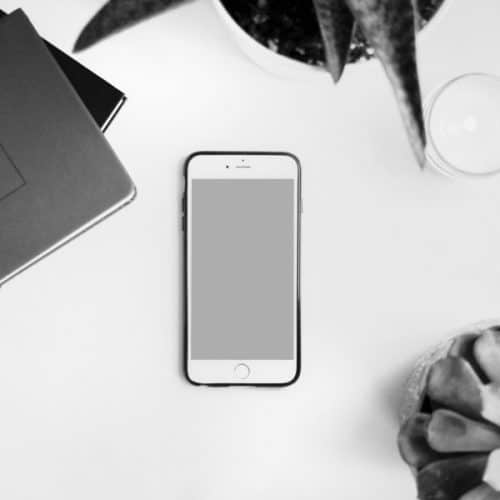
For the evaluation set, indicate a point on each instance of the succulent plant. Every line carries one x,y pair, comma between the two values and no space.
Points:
452,440
389,26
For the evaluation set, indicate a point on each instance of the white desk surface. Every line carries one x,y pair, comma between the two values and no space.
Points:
93,403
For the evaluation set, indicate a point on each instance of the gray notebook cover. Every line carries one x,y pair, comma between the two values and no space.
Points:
58,174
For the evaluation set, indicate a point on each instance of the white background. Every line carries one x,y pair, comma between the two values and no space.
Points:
93,403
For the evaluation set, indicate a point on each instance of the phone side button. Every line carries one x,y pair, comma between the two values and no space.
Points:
183,223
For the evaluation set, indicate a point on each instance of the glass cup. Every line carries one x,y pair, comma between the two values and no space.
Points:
462,121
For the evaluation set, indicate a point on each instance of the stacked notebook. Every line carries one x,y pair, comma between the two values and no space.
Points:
102,99
58,174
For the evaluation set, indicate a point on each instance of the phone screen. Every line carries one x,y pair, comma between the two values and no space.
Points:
242,288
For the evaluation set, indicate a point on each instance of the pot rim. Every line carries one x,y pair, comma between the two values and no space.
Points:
287,66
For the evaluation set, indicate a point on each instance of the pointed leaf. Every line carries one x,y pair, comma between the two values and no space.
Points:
336,23
389,27
117,14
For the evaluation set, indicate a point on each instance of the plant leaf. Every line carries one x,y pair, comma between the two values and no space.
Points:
453,383
389,26
116,15
450,432
464,346
336,23
487,351
449,479
482,492
413,445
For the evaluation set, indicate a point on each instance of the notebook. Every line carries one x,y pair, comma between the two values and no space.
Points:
102,99
58,174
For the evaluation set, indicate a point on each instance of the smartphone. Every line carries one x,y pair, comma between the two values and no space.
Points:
242,268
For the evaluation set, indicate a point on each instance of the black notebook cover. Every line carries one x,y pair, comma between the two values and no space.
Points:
100,97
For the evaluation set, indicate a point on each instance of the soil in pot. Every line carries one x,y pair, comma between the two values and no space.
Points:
290,27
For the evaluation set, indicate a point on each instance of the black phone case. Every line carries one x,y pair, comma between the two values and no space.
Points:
185,280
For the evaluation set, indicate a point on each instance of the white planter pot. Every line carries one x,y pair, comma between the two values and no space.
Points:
286,67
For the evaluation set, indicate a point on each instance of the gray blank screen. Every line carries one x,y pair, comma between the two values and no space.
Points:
242,269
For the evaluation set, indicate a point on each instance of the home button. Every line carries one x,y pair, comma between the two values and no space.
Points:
242,371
